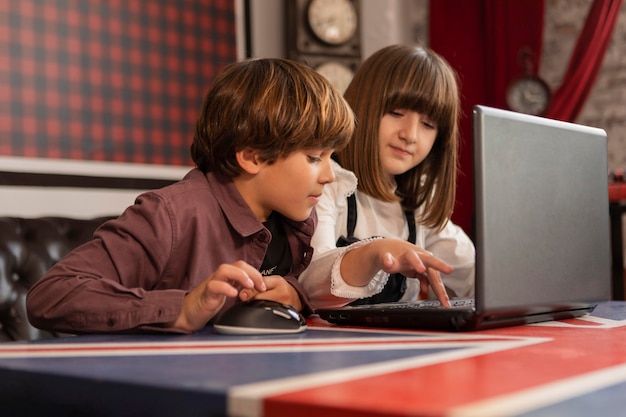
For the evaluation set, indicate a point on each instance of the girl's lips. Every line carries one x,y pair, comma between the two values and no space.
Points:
401,151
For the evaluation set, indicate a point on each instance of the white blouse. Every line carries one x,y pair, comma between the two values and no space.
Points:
322,279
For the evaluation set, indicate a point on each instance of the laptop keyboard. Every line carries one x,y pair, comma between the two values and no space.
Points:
454,303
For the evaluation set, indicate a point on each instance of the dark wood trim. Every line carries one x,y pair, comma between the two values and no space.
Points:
30,179
247,18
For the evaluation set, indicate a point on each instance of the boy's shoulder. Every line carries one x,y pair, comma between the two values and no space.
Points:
194,179
198,189
193,186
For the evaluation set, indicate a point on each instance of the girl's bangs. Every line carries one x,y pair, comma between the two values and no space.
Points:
432,103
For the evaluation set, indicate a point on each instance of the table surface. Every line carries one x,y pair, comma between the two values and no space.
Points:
568,368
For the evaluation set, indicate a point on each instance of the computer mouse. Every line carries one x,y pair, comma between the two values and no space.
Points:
260,317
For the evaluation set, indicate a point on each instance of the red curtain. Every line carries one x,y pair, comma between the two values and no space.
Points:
484,40
586,60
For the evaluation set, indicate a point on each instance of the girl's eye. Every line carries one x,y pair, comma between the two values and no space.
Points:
314,159
396,113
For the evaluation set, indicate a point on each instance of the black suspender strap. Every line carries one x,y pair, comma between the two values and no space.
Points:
410,219
349,238
396,285
351,215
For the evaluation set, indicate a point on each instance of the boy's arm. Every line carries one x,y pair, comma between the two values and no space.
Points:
103,285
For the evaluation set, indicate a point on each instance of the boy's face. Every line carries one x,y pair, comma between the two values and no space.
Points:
293,185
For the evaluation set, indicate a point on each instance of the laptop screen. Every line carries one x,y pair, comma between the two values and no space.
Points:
542,216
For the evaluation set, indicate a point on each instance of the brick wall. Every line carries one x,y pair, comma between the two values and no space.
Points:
606,105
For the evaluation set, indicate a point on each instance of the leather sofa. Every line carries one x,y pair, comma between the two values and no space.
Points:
28,248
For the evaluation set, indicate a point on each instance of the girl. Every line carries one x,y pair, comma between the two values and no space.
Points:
403,157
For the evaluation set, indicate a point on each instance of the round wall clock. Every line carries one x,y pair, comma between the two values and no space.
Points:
338,74
528,94
332,21
326,35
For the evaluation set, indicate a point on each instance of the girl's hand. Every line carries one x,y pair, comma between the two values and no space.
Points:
421,264
361,264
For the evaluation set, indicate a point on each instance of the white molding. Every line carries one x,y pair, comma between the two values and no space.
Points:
81,203
84,203
91,168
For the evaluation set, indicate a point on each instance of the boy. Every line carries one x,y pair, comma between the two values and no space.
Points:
237,227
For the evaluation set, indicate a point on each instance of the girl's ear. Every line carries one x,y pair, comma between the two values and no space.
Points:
248,161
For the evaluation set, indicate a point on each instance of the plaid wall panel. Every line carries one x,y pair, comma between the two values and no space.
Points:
111,80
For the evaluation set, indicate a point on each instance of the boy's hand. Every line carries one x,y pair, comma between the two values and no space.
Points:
204,301
278,289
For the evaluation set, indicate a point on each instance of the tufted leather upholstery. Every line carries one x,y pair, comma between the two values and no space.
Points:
28,248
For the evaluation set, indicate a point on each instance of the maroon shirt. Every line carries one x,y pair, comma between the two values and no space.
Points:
137,269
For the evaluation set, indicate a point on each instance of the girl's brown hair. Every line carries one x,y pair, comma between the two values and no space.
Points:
275,106
410,78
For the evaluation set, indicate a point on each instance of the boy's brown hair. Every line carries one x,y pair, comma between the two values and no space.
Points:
410,78
275,106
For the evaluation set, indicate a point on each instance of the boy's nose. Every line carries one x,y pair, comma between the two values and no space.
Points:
327,175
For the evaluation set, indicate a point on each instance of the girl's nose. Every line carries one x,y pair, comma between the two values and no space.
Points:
410,130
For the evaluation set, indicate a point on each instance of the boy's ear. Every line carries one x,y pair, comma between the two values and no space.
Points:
248,161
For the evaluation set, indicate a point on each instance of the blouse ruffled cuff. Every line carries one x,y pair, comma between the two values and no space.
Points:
339,288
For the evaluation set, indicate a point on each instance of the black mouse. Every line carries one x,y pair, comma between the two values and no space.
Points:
260,317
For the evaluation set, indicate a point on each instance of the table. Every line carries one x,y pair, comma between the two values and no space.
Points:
570,368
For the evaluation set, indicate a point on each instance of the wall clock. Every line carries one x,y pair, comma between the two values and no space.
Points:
332,21
339,74
326,35
528,94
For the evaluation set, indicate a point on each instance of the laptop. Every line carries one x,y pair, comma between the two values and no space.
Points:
542,232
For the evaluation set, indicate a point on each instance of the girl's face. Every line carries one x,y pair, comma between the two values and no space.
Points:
405,139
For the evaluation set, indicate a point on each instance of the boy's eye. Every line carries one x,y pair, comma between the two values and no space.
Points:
321,155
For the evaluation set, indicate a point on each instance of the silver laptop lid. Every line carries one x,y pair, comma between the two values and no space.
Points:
542,216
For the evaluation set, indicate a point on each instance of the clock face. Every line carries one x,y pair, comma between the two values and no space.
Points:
332,21
529,95
338,74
